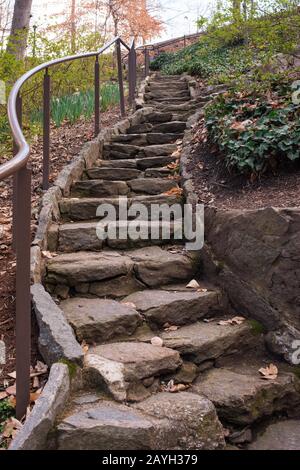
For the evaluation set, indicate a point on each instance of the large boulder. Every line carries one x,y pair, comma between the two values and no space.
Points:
256,258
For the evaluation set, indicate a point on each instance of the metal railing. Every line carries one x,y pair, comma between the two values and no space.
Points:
18,168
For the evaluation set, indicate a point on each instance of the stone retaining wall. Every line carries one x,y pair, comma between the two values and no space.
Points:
254,255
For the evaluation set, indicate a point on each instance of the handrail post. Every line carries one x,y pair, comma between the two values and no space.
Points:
120,78
147,62
132,74
23,298
15,185
97,96
46,130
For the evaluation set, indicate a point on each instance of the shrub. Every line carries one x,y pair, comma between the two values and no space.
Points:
254,134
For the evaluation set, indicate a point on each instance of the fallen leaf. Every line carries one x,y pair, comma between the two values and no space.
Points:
178,388
193,284
157,341
11,427
36,382
269,373
34,396
13,375
232,321
47,254
171,328
12,401
174,192
129,304
41,367
84,347
240,126
202,289
3,395
11,390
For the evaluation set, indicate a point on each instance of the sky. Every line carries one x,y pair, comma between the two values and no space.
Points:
179,16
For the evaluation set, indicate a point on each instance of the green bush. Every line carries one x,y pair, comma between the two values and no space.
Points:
254,134
206,61
6,411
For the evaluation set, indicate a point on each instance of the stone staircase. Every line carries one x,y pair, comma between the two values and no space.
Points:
162,365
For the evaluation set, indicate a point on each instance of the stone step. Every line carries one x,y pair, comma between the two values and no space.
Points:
152,185
201,341
166,86
163,138
151,162
170,127
175,307
241,396
147,139
100,320
123,163
99,188
160,172
140,128
169,99
130,150
133,139
157,117
103,188
180,421
123,365
152,266
120,151
86,208
177,108
281,435
81,236
114,173
167,94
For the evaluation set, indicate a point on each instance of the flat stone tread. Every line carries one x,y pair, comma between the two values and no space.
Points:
281,435
100,320
148,299
201,335
133,352
82,310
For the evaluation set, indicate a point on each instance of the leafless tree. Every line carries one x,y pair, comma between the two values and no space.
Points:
17,41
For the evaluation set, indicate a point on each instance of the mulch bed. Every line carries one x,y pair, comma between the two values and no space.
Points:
66,142
215,186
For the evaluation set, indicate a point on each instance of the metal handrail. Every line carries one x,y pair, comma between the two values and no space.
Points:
17,167
20,159
168,42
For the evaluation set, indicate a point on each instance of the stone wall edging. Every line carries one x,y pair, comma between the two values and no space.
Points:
51,403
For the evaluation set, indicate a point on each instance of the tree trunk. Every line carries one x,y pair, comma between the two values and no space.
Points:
73,26
19,30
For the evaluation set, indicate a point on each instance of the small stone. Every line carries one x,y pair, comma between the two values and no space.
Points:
86,398
137,392
62,291
148,382
241,437
186,374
